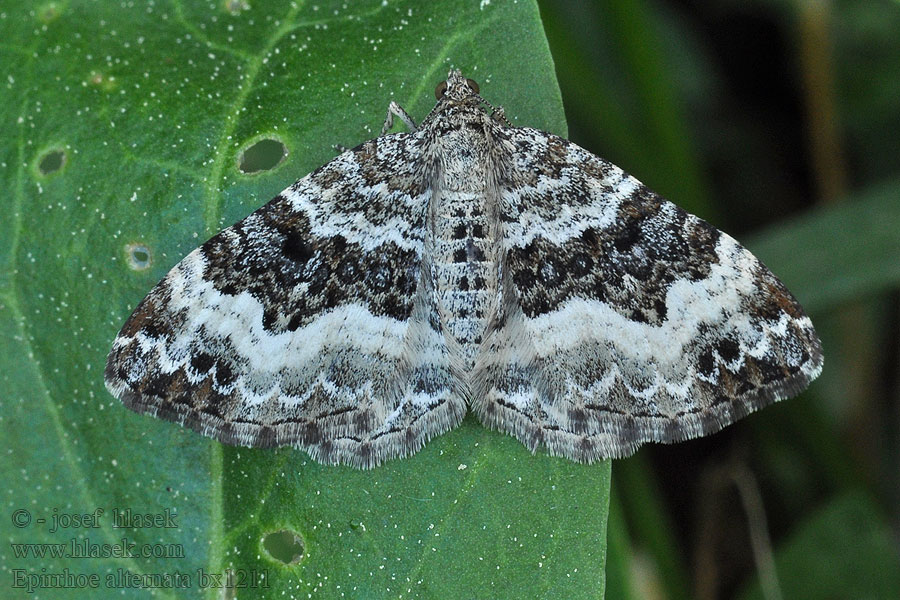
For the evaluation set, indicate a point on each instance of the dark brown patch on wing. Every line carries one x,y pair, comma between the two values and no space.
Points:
629,265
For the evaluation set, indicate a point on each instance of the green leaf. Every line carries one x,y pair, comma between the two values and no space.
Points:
621,582
122,132
843,550
839,253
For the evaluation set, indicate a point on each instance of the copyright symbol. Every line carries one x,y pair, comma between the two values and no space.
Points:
21,518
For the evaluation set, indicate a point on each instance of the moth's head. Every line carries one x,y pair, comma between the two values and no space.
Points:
457,89
458,95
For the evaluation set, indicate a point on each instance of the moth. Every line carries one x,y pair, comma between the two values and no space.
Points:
464,264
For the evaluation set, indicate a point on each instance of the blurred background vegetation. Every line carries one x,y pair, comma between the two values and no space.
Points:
779,122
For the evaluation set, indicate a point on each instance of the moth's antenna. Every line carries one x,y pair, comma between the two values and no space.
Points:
498,114
430,114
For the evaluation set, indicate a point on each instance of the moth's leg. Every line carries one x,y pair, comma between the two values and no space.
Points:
395,109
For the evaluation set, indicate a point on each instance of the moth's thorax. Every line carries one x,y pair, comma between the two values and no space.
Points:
461,147
463,230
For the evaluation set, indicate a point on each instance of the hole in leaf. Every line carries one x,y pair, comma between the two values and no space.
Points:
139,257
285,546
264,155
51,162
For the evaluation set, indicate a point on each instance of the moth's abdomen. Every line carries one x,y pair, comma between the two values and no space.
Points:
465,270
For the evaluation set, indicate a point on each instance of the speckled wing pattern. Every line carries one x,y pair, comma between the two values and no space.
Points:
625,319
467,263
307,323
